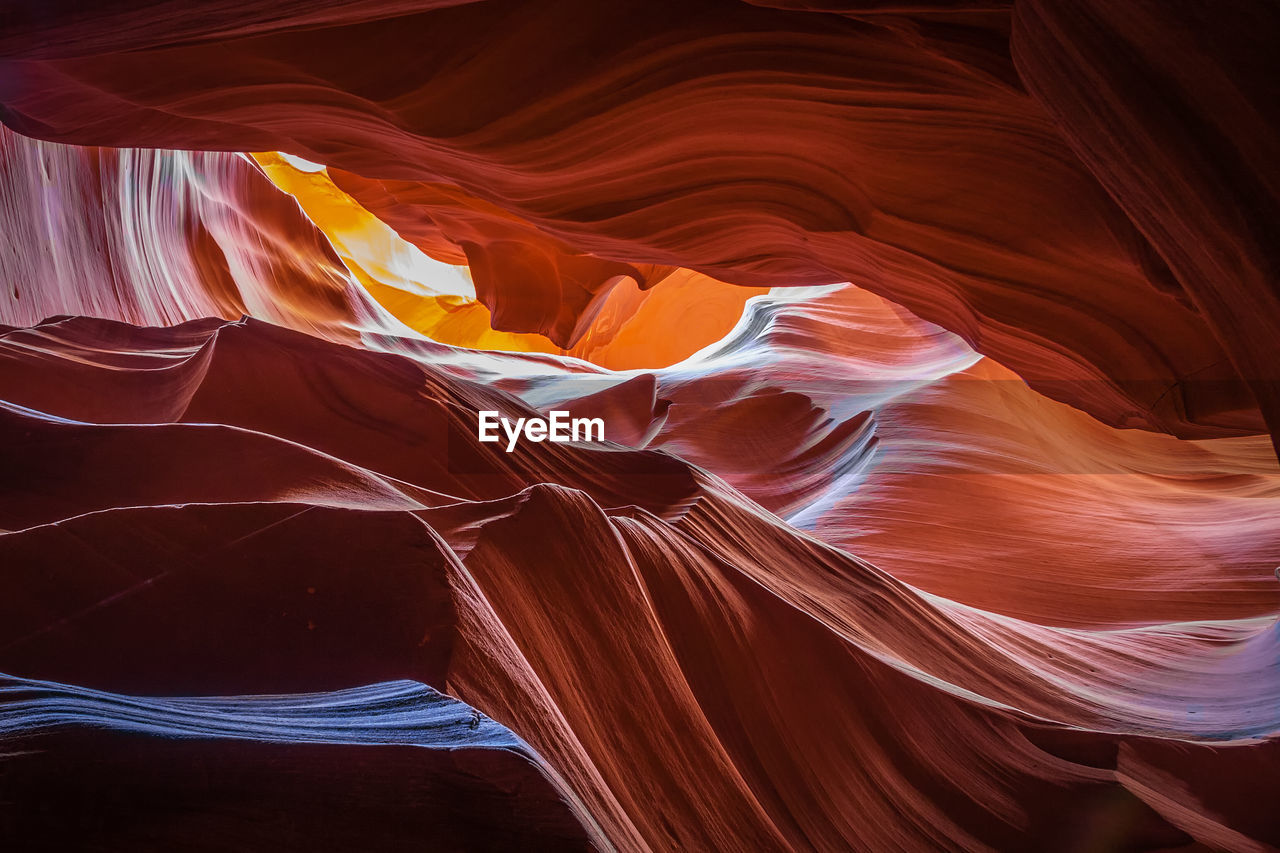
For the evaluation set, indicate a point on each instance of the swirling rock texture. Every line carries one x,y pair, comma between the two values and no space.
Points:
937,348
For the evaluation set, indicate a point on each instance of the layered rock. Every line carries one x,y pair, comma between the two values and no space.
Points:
563,147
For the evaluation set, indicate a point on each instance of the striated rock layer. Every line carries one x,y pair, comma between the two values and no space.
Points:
695,673
973,551
159,237
962,160
296,772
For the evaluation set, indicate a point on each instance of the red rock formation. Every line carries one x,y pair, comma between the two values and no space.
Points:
836,581
920,449
1184,137
159,237
759,145
696,673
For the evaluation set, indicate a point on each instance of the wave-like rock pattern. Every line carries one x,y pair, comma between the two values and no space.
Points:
1187,149
90,768
561,147
615,334
883,566
888,436
160,237
698,673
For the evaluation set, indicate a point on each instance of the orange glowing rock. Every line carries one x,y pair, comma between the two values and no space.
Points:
628,327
